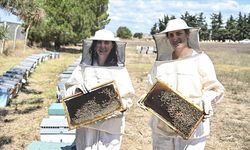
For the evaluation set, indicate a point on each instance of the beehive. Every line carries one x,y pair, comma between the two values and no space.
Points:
56,130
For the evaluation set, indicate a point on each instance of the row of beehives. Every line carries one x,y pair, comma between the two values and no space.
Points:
54,130
12,80
145,49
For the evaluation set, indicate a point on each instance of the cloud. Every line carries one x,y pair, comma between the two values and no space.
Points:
7,16
140,15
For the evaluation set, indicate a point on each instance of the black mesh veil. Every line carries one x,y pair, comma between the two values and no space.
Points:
86,56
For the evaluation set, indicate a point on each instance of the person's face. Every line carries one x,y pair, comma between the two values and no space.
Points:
103,48
178,39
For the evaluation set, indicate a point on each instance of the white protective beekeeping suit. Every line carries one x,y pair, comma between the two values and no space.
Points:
194,77
87,77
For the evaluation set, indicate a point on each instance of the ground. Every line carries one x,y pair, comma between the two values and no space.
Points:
19,122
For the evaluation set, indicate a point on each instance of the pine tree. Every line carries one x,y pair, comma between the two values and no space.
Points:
154,29
217,28
231,29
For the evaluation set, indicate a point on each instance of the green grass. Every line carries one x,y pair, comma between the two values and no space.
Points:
233,70
8,62
230,58
42,83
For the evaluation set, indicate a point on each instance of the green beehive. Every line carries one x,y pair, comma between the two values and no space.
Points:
56,109
39,145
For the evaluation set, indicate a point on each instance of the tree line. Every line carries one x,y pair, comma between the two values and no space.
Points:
234,29
59,21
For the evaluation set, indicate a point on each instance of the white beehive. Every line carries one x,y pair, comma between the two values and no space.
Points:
56,130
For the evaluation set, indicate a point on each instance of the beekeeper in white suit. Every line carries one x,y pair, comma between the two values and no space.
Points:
181,64
103,60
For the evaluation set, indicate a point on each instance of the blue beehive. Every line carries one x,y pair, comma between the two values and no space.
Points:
40,145
56,109
4,96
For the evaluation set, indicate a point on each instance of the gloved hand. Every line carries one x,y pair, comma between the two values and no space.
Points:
208,110
75,89
126,102
115,114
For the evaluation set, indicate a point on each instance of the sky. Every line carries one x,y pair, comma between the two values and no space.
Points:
141,15
6,16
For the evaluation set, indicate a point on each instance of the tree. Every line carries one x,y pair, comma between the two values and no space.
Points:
231,29
63,25
163,23
242,27
248,26
217,28
234,29
100,9
3,31
63,21
27,10
123,32
154,29
201,23
190,19
138,35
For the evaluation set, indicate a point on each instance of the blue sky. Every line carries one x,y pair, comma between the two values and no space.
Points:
140,15
5,16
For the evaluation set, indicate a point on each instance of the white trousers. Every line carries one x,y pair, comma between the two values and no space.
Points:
91,139
161,142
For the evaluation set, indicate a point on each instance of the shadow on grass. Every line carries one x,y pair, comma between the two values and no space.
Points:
30,91
27,110
68,50
8,120
29,101
3,112
4,140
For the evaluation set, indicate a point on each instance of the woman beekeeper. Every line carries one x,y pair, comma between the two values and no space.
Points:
182,65
102,61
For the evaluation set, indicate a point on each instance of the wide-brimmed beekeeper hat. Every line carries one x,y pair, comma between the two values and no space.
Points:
163,46
176,24
104,35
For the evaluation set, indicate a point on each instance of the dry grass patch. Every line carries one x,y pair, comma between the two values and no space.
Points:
19,122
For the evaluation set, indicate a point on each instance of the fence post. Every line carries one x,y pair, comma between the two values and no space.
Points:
3,40
26,37
3,45
14,45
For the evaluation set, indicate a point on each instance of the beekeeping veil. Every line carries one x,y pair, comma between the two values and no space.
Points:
106,36
163,46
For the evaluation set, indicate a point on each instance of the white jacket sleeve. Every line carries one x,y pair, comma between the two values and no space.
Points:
151,76
75,82
212,89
